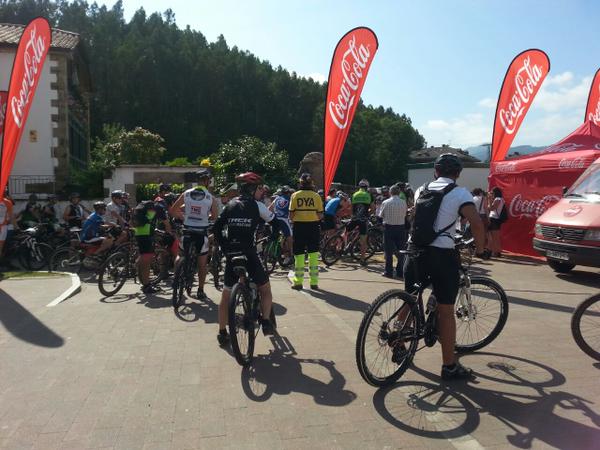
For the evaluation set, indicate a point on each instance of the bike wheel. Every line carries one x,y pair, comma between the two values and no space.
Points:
355,249
481,320
113,274
375,240
37,257
332,250
179,282
65,259
216,269
241,325
387,338
158,266
585,326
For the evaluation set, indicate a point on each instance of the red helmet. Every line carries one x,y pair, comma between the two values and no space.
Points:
248,178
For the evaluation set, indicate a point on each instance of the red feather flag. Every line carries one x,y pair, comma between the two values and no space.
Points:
592,111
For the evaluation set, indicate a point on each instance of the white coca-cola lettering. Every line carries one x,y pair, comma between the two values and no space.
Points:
32,56
561,148
353,62
505,167
520,207
526,80
572,163
595,115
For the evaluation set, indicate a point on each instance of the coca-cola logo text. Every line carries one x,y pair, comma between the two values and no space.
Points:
526,80
520,207
354,61
505,167
595,115
571,163
34,52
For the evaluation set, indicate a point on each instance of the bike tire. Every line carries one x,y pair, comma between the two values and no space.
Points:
592,349
363,355
178,284
66,259
158,268
500,321
113,273
39,259
355,249
332,250
375,240
270,256
240,296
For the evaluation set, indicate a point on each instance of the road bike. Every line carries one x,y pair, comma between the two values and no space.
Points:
585,326
344,242
396,321
244,313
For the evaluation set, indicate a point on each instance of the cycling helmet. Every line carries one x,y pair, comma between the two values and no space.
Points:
99,205
448,163
74,195
341,194
385,189
165,187
321,192
285,189
116,194
170,198
306,180
203,172
248,178
363,183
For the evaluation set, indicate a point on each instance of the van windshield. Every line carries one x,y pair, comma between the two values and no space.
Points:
587,185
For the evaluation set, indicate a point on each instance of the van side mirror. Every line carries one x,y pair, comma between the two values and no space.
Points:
565,189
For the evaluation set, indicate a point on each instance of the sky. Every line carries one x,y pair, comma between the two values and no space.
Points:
439,62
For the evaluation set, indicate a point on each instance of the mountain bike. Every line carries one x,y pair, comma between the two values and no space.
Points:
585,326
271,253
344,242
244,313
186,268
396,321
30,252
216,265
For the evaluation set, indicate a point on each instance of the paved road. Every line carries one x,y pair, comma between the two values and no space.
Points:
126,373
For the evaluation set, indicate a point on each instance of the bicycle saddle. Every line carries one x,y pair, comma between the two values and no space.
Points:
239,264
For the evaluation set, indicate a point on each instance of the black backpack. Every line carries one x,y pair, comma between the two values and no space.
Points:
140,213
503,214
427,207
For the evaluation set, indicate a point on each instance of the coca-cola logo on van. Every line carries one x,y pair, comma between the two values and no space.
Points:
505,167
572,163
523,207
573,210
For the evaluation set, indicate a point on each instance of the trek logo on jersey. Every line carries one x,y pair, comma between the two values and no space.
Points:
305,202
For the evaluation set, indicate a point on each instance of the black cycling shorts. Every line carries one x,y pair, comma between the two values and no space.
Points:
254,267
329,222
438,267
200,241
306,237
144,244
361,224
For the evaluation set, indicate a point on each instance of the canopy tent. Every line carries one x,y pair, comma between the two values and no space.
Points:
531,184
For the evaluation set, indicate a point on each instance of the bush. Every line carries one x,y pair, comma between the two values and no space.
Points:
149,191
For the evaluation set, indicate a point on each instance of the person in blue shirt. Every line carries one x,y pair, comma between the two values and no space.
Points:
333,209
94,228
281,208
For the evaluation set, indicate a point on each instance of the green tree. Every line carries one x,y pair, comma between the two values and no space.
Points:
140,146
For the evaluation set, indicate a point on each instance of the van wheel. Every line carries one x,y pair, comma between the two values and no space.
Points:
560,267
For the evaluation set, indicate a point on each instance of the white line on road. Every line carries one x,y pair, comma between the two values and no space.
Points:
75,287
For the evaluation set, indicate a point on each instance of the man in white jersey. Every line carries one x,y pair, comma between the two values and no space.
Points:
199,205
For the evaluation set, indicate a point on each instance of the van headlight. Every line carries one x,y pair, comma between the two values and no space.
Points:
592,235
538,229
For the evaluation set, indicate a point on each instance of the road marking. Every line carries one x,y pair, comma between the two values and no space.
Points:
75,287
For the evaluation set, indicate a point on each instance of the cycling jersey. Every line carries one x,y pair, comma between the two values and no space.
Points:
75,210
332,206
235,229
361,201
91,227
198,204
282,206
306,206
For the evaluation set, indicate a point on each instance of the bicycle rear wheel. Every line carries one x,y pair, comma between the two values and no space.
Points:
481,320
179,283
65,259
585,326
113,274
216,268
36,257
332,250
241,324
387,338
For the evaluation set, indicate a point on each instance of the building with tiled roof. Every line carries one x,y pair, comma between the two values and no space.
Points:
56,135
429,154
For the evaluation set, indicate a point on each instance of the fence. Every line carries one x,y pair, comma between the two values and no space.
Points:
20,186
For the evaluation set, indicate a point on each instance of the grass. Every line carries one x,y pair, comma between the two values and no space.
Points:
20,274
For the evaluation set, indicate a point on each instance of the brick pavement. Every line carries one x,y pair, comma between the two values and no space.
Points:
126,373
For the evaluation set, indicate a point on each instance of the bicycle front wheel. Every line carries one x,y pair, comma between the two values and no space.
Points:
585,326
241,325
36,257
113,274
179,283
355,249
387,338
481,311
332,250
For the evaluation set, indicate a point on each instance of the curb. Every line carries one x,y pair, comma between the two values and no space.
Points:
74,289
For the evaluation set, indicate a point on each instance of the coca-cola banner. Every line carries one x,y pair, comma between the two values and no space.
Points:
26,72
592,111
349,67
3,97
522,82
533,183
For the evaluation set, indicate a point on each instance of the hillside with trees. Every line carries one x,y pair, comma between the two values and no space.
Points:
199,95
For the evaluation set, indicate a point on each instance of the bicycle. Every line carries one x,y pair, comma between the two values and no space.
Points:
271,253
215,265
30,252
244,312
585,326
185,269
396,321
344,242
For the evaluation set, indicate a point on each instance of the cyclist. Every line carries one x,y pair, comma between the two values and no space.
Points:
362,207
439,263
31,215
145,215
163,190
240,219
334,208
199,206
74,214
48,215
6,219
281,208
94,229
114,208
306,210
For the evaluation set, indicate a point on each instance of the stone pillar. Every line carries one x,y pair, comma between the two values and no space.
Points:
313,164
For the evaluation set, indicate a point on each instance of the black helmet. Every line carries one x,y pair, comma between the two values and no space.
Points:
306,180
448,163
74,195
170,198
164,187
385,189
116,194
99,205
285,189
203,172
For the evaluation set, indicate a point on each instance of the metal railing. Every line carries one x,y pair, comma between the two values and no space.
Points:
23,185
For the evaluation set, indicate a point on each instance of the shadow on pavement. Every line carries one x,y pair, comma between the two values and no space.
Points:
280,372
539,304
589,279
339,301
528,408
24,325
